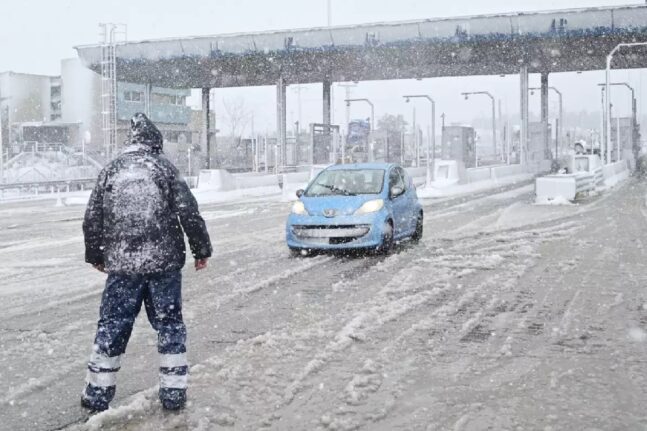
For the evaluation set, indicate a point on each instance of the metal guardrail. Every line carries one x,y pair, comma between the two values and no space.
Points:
588,181
49,184
584,182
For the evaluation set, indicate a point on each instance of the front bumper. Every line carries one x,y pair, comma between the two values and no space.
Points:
341,232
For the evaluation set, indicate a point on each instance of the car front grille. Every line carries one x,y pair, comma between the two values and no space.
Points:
331,234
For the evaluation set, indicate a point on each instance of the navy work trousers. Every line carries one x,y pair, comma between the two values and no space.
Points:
121,302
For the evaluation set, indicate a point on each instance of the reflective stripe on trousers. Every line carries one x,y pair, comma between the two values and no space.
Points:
173,382
172,360
102,362
102,369
174,370
101,380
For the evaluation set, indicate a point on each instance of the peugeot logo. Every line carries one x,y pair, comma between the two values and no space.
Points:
329,212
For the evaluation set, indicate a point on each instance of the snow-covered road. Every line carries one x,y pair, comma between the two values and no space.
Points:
506,316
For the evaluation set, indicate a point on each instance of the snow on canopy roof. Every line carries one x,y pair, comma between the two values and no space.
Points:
471,45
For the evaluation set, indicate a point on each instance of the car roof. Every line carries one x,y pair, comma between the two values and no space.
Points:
358,166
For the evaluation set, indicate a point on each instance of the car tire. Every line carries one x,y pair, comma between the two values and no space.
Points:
417,234
387,239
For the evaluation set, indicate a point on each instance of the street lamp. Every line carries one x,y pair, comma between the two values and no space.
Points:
561,114
633,110
608,89
488,94
430,168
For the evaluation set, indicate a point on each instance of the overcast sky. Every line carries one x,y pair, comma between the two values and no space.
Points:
36,34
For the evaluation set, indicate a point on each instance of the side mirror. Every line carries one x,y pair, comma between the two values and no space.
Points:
396,191
300,193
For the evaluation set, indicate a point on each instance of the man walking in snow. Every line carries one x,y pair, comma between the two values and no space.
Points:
133,230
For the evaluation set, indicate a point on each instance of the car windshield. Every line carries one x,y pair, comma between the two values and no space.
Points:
348,182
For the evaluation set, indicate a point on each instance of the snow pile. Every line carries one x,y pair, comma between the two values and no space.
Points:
637,335
557,200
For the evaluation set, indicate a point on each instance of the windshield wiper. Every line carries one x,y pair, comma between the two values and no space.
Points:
337,190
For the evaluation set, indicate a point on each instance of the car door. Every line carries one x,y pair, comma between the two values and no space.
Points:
398,203
410,200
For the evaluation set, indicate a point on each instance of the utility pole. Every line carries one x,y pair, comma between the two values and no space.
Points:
348,96
297,89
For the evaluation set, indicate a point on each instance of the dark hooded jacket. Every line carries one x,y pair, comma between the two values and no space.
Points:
139,208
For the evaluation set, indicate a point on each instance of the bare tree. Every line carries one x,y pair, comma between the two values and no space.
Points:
236,116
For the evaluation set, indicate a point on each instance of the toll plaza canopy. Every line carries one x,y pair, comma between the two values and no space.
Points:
553,41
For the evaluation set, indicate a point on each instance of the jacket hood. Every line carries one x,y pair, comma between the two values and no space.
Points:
145,133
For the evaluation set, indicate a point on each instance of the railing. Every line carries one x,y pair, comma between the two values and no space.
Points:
37,185
585,182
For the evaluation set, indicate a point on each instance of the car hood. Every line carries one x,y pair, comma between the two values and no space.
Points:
341,205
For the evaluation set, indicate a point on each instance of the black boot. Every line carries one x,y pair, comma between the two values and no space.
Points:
172,398
96,399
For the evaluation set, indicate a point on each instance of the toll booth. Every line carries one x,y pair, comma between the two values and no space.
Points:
394,145
324,143
458,143
537,151
358,139
378,146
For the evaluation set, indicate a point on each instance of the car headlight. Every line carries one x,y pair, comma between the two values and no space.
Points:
299,209
370,207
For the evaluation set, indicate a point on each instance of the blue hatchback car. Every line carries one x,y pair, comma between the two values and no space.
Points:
355,206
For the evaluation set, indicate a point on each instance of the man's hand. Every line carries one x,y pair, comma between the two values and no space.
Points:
200,264
99,267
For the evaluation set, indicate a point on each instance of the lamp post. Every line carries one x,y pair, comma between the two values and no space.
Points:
561,113
607,85
430,167
488,94
633,109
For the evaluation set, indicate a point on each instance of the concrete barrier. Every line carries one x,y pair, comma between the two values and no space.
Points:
568,186
253,180
418,175
559,187
615,173
293,182
479,174
217,180
506,171
222,181
493,172
446,171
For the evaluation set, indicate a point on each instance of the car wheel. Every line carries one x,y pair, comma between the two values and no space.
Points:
387,239
417,234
